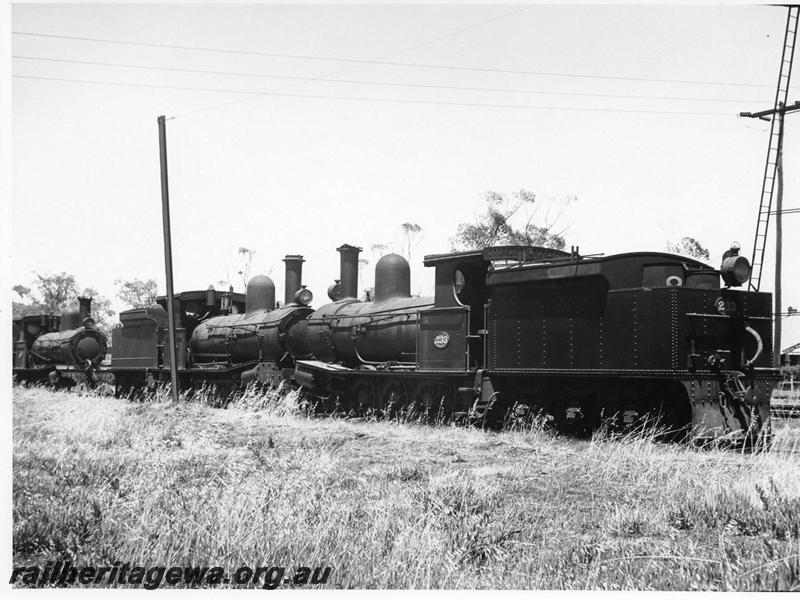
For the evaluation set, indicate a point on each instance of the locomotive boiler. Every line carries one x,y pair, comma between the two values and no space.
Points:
264,335
352,332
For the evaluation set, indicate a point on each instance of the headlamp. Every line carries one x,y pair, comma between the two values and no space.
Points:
303,296
735,270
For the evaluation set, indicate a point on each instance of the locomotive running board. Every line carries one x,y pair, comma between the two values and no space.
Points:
321,366
305,369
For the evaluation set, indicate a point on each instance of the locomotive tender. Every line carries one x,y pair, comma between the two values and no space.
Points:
58,349
585,339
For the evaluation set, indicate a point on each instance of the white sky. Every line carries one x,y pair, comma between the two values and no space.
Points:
303,175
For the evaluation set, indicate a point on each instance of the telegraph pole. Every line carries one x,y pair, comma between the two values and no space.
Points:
779,114
162,146
776,347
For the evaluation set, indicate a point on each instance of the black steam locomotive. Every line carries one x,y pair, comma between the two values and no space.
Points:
59,350
222,339
586,340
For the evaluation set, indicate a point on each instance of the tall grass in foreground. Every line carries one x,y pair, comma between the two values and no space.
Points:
394,505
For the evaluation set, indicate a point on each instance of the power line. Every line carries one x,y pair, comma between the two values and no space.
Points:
395,63
376,83
397,100
454,33
339,71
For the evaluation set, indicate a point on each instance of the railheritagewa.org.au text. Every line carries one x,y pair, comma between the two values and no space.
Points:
63,574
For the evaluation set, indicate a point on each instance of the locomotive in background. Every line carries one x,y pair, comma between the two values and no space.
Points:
59,350
222,339
586,340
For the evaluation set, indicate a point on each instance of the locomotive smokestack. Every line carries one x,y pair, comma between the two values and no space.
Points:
294,276
84,308
349,270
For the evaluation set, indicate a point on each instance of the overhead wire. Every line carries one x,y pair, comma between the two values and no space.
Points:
362,99
299,80
378,83
382,57
382,61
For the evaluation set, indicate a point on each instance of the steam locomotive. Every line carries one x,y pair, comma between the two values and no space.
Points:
509,330
222,340
59,350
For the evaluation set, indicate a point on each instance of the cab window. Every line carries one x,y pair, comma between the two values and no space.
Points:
656,276
459,286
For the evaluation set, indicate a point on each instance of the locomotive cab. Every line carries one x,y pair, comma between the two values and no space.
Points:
27,329
193,307
451,334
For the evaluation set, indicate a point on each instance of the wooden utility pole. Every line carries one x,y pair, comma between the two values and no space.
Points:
776,343
162,145
779,114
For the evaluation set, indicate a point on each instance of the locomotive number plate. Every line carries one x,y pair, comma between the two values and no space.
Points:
441,340
725,307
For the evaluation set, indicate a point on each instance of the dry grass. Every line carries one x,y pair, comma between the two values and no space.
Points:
393,505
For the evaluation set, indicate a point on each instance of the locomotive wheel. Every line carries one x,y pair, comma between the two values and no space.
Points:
393,396
674,411
652,407
431,399
360,396
127,385
225,390
59,382
491,414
